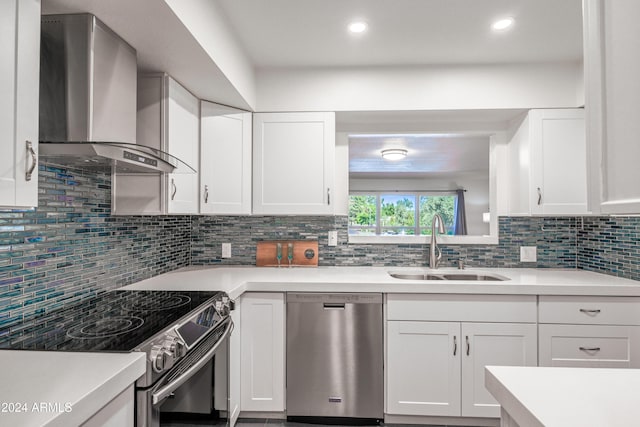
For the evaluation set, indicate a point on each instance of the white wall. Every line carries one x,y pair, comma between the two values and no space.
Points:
209,27
421,88
476,197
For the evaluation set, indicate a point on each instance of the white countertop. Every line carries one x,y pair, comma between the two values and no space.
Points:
523,281
566,397
80,382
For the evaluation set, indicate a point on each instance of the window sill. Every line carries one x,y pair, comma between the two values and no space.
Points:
422,240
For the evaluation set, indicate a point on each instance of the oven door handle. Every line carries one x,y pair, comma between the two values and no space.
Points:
164,392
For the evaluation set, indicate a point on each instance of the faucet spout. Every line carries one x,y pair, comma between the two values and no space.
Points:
434,252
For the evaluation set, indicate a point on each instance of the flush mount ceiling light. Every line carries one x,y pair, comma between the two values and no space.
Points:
357,27
394,154
502,24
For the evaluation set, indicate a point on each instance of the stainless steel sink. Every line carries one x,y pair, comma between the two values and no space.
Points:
473,276
448,276
416,276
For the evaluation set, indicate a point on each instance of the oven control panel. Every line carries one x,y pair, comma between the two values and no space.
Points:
166,348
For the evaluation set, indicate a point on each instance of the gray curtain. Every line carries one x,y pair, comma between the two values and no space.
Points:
460,221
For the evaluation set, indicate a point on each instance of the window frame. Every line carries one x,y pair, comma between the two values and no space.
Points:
417,228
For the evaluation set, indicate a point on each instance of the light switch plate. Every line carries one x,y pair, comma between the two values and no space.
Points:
528,254
226,250
333,238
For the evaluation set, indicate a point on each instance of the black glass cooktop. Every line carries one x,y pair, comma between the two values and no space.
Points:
113,321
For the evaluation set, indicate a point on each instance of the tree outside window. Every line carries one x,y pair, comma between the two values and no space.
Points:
378,213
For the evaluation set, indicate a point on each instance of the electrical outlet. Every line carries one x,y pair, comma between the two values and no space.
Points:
528,253
226,250
333,238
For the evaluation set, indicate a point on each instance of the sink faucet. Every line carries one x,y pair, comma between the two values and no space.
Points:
434,252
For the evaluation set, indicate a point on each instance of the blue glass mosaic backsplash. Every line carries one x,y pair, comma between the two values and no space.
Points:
70,247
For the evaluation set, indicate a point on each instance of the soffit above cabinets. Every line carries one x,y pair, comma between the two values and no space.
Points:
163,42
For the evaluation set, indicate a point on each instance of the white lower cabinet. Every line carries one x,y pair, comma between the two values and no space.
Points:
586,331
120,412
262,360
435,365
486,344
423,368
233,410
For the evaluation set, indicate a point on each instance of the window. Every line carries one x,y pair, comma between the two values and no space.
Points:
393,214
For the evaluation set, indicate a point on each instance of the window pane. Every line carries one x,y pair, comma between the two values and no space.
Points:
397,210
362,211
430,205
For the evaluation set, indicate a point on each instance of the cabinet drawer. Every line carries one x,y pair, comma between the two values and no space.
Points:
589,346
462,308
590,310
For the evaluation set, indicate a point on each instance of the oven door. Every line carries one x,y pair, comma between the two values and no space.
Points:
197,362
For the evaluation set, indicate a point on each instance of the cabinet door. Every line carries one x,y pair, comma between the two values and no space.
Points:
168,119
559,162
294,163
19,74
183,137
612,89
225,160
593,346
262,358
504,344
234,365
423,368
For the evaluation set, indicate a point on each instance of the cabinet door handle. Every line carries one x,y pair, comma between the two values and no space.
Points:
206,194
175,189
34,161
589,311
589,348
328,196
455,345
539,196
468,344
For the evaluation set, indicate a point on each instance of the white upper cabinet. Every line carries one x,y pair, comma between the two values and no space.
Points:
168,120
225,160
612,90
293,169
547,164
19,73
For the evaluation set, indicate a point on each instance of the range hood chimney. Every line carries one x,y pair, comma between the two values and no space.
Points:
88,79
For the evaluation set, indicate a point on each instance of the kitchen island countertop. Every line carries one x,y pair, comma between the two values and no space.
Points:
565,397
52,388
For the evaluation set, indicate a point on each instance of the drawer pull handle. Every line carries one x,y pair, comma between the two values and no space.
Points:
587,311
468,345
330,305
589,348
34,161
455,345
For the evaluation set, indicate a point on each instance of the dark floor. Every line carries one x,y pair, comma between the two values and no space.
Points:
272,423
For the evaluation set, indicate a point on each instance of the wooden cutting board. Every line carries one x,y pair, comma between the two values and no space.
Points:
305,253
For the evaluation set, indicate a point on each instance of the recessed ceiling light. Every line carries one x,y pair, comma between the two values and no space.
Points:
358,27
502,24
394,154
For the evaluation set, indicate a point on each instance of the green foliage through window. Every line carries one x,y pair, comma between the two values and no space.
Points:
399,213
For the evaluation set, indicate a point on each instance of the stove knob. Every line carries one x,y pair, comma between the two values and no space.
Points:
177,348
158,358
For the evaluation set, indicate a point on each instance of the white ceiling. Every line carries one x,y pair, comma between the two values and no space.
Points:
428,156
312,33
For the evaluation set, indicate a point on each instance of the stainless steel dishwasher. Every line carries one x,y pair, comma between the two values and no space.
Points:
334,355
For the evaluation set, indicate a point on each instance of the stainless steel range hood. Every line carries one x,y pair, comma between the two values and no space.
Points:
88,80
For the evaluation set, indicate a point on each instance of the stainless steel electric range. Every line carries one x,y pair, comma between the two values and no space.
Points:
180,332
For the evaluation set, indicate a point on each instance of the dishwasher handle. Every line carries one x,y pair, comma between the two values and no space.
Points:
333,305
